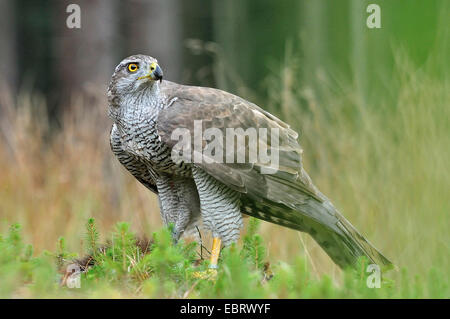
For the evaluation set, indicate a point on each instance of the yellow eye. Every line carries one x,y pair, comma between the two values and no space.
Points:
132,67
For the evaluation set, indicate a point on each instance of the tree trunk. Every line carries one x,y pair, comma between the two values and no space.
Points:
85,57
154,28
8,64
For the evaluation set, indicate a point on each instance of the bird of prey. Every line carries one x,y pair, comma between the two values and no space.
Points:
147,111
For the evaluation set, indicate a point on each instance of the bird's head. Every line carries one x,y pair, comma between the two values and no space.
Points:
135,73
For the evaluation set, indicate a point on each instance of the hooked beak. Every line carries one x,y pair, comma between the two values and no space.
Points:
157,73
154,74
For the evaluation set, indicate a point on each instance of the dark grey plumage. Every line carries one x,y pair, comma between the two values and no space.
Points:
146,112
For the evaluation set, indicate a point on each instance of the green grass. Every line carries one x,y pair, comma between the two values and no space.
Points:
123,268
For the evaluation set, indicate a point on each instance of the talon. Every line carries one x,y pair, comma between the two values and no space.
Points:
209,274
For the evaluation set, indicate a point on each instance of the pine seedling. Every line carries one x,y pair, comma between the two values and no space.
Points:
124,245
92,237
165,256
253,248
236,278
61,254
14,240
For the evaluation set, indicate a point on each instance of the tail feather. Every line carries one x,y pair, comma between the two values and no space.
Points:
365,247
336,235
346,246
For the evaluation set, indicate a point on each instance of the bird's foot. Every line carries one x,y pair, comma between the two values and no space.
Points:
209,274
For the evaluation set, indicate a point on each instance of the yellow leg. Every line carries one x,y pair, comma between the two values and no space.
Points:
215,253
211,273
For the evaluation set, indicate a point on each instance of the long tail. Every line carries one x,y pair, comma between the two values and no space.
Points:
342,242
338,238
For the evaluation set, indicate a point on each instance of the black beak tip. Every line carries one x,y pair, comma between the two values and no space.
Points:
158,73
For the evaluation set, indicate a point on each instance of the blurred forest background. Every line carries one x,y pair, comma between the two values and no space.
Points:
372,106
252,39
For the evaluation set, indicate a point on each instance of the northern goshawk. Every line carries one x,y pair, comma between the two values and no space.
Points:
217,191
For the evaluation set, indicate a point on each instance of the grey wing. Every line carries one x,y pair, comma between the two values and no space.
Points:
138,169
